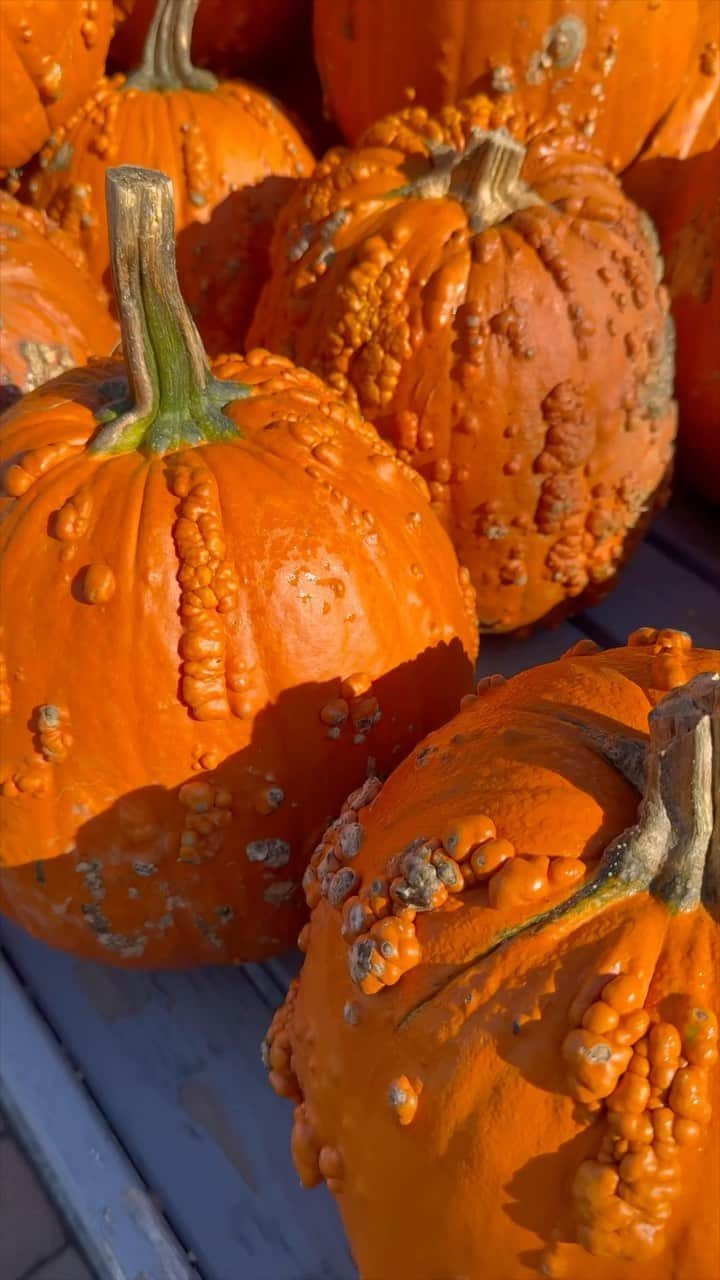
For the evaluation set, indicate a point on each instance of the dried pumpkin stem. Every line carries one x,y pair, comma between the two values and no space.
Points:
175,401
485,178
673,850
668,850
166,62
627,754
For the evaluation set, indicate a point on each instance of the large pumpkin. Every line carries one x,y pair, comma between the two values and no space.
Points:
224,606
503,1046
690,230
611,68
51,54
228,37
491,303
53,314
228,148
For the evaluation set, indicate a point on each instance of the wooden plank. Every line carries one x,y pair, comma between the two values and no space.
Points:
656,591
506,656
689,532
94,1184
173,1060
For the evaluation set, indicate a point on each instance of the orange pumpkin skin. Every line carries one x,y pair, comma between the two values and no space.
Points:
690,232
231,154
262,619
587,61
228,38
54,316
691,126
483,1090
524,368
51,54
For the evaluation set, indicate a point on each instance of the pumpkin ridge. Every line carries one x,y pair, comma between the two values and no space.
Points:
208,590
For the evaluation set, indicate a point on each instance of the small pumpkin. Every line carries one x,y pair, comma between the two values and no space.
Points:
690,231
612,69
488,297
54,316
502,1048
51,54
228,38
228,148
226,604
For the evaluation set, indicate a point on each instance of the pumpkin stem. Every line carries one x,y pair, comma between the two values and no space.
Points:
174,400
166,62
673,850
485,178
628,754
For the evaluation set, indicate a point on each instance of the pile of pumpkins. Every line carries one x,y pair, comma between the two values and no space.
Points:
242,593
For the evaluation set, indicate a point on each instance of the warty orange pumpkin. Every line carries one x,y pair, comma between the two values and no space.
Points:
229,38
612,69
224,606
54,316
502,1046
229,149
489,298
51,54
690,233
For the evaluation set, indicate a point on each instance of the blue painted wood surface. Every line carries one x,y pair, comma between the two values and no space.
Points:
173,1059
93,1182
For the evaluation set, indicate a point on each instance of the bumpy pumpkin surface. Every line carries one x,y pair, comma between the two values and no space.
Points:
492,305
613,69
231,154
228,37
690,230
508,1028
54,316
223,607
51,54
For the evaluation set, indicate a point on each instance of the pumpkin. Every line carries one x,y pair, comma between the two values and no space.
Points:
612,69
486,295
53,314
227,37
692,124
227,601
51,54
231,154
690,230
502,1047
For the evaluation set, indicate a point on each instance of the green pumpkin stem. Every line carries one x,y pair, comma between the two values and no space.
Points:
166,62
174,400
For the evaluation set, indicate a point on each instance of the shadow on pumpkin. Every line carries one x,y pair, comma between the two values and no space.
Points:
165,876
653,182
